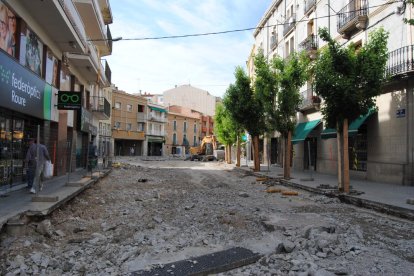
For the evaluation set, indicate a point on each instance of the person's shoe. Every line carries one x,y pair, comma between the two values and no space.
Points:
32,191
41,187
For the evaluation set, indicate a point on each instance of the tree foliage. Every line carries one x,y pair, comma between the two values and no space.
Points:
348,80
266,87
225,128
243,105
291,74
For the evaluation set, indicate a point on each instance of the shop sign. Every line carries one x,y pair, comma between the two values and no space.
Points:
69,100
86,123
23,91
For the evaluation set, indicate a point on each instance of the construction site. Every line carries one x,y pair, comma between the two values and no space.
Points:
175,217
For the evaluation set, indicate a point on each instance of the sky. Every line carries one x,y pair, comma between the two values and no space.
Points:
205,62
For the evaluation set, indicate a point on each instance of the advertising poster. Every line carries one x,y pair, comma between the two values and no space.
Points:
7,30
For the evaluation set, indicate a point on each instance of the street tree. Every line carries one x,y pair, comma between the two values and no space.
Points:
348,80
226,130
291,74
246,110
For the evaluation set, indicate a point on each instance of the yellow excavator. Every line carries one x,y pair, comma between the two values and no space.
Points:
205,151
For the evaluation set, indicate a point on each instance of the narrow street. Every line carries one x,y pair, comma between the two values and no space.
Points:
150,213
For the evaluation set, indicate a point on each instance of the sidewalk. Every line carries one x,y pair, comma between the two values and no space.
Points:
384,197
19,201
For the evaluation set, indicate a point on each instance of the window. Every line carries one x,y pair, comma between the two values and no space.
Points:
129,107
117,125
128,126
175,125
185,142
117,105
140,108
174,139
195,128
195,141
141,126
185,126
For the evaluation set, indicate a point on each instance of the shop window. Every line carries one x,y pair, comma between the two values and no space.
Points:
358,150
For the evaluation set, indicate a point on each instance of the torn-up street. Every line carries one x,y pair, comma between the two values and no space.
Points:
146,214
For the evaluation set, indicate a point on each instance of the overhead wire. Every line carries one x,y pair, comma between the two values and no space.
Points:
241,30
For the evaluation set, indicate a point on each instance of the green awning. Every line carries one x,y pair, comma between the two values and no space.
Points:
155,139
303,129
352,129
157,109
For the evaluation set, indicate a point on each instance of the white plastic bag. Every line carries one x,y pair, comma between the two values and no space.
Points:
48,170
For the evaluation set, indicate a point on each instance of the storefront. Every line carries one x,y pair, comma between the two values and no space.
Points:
25,107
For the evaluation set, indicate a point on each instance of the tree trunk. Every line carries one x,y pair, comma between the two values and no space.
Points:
286,168
226,154
229,151
346,157
339,141
256,153
238,152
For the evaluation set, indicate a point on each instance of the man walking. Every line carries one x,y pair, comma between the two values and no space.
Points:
35,164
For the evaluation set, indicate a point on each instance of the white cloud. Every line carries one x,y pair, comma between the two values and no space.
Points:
207,62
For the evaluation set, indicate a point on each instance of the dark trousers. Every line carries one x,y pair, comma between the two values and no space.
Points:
30,176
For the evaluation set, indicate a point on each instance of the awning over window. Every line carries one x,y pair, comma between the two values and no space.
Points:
352,129
303,129
157,109
155,139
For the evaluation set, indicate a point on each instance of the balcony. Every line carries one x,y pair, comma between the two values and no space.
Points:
156,133
106,11
310,45
156,118
289,24
105,132
90,12
141,117
63,22
352,17
86,63
309,6
204,129
400,62
100,107
105,73
310,101
128,134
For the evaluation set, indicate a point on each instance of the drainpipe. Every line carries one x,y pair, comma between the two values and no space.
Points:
329,16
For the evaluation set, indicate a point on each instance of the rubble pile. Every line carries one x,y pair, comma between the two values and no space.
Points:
149,213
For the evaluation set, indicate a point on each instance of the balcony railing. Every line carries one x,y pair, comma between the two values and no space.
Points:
289,24
156,132
108,72
74,18
141,117
400,61
350,12
309,4
307,102
109,39
101,107
156,118
310,43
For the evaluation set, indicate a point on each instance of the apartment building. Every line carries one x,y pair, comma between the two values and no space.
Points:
191,97
183,130
155,134
380,143
46,47
129,121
